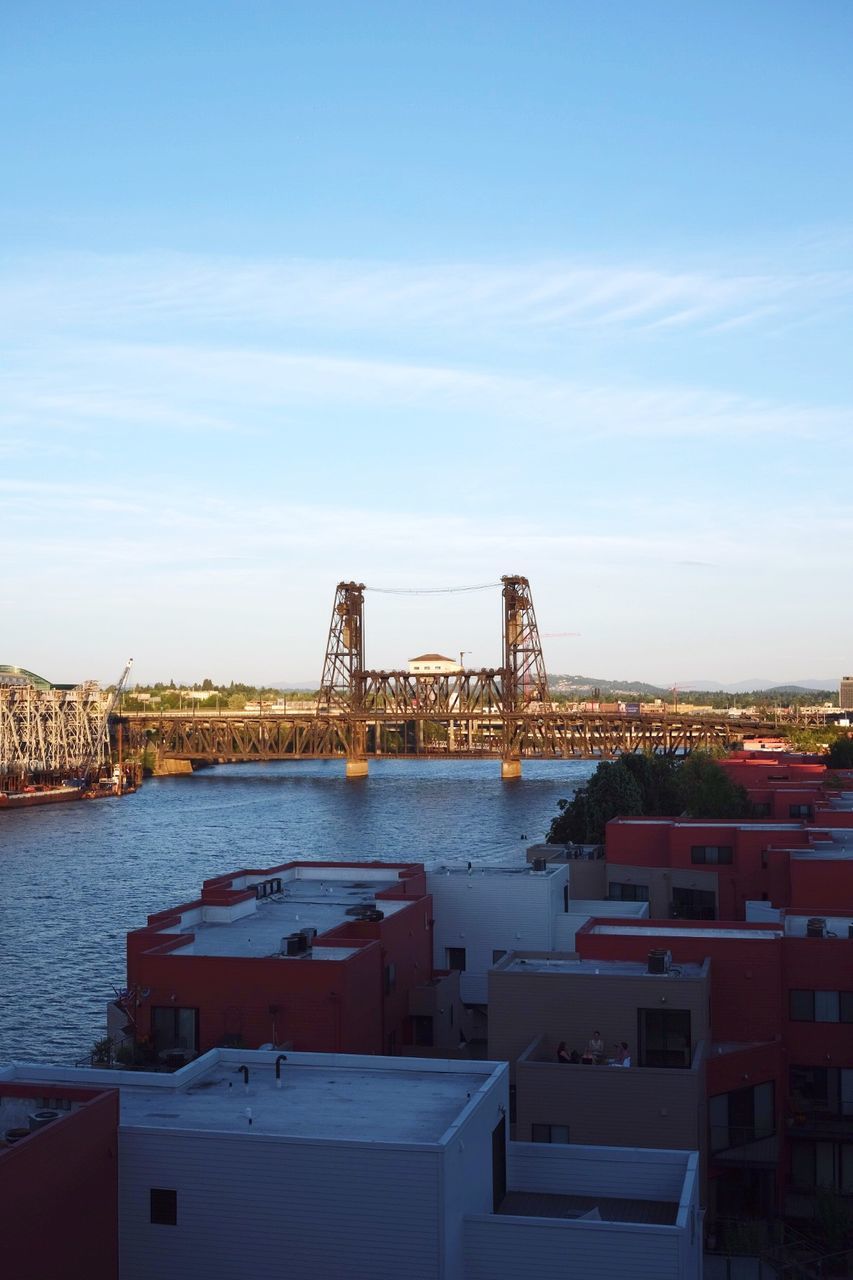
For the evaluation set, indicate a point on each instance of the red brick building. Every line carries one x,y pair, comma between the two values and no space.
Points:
58,1181
779,1071
315,956
711,868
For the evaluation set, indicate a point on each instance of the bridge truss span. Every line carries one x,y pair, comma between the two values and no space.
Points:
505,712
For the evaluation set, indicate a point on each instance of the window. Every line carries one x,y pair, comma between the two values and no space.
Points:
664,1037
497,955
618,892
822,1164
164,1207
422,1032
173,1028
822,1091
800,811
820,1006
455,958
742,1116
761,808
711,853
550,1133
693,904
390,978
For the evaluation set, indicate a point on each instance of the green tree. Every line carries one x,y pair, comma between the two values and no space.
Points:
841,754
708,792
612,792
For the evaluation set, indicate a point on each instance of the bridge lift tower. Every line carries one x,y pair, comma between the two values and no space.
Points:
521,687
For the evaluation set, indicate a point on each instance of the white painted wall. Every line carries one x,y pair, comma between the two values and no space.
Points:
581,910
270,1208
467,1166
490,910
505,1247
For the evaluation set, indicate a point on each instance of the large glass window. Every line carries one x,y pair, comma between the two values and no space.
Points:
742,1116
664,1037
822,1091
175,1029
820,1006
712,854
622,892
822,1164
693,904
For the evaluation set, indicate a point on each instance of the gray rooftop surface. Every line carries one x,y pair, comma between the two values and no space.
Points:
673,931
305,903
589,968
324,1101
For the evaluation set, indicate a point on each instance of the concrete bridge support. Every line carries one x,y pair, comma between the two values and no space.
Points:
510,770
356,768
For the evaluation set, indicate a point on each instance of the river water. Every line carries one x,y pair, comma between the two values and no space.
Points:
77,877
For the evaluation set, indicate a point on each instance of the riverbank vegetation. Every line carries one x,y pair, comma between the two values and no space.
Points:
648,786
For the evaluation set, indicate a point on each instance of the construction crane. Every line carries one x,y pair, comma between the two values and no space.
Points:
103,726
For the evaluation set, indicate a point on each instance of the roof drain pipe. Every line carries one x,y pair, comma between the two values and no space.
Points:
282,1057
245,1071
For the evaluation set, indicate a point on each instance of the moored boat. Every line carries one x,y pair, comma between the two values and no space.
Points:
32,796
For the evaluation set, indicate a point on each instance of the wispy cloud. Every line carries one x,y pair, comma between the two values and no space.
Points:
202,388
115,293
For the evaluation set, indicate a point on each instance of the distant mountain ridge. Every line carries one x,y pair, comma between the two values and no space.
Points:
585,684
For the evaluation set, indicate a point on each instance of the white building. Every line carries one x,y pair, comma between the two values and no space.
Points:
433,664
369,1168
486,912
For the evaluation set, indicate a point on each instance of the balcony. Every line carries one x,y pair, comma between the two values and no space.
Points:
635,1106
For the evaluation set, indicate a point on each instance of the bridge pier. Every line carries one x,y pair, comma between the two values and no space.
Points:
510,770
356,768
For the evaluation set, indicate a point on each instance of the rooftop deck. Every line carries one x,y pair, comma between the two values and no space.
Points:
257,930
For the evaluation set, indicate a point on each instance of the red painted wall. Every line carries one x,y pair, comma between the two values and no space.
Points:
59,1191
322,1005
760,861
316,1005
746,976
822,885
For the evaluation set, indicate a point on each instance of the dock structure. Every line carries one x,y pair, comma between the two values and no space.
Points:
50,731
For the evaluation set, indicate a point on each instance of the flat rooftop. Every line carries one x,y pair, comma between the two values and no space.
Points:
673,931
478,872
589,968
259,926
327,1097
835,926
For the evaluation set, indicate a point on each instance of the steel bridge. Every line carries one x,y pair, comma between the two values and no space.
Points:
503,712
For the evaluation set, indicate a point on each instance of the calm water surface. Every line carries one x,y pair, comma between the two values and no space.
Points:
77,877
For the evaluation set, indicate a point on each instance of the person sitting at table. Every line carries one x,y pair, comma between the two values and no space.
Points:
562,1052
595,1048
623,1054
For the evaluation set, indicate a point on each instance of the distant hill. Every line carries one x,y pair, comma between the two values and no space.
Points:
585,685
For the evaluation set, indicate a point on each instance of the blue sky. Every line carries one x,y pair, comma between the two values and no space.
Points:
421,295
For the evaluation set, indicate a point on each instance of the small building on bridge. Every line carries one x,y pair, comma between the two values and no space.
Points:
433,664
